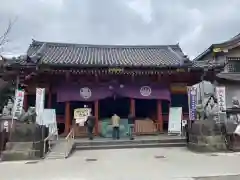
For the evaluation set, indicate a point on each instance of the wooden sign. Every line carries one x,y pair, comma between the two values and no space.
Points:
115,70
180,70
81,114
178,88
217,50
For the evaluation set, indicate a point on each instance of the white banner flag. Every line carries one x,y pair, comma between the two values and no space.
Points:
40,100
18,103
221,98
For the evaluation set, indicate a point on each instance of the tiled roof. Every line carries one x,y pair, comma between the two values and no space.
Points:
206,64
234,40
107,55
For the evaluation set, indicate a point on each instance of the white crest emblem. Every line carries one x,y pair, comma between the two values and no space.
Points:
85,93
145,91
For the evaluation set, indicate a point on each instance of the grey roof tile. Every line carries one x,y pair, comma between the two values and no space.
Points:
206,64
107,55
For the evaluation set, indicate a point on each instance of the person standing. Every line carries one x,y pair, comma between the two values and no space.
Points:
90,123
115,126
131,122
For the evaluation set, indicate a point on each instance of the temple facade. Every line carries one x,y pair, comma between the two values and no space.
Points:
142,80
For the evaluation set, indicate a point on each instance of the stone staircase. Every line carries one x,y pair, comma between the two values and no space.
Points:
126,144
57,150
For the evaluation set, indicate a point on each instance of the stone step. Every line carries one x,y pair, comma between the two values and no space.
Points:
58,147
78,142
55,157
56,153
127,146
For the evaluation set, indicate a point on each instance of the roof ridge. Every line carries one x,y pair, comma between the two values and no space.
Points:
34,42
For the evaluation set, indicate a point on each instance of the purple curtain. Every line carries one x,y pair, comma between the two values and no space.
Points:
72,92
82,93
144,92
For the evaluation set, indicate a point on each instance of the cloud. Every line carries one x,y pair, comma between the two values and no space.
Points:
194,24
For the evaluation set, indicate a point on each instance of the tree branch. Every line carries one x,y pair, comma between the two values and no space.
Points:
4,38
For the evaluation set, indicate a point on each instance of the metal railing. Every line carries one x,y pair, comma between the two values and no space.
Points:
51,137
69,140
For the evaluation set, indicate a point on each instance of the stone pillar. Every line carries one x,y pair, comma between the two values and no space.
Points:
96,114
67,117
159,115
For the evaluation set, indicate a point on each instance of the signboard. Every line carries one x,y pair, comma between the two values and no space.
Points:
217,50
192,102
175,120
178,87
221,98
40,99
115,70
81,114
18,103
49,119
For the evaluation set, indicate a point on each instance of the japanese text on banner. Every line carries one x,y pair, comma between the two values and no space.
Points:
40,98
18,103
221,97
192,100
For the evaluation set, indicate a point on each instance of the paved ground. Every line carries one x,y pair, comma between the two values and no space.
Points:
233,177
129,164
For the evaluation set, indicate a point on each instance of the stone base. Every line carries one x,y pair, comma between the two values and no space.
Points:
22,151
207,143
18,155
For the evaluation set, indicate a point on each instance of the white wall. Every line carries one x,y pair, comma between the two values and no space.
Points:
231,91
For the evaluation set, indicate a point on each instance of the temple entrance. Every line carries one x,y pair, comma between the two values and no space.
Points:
111,105
165,114
146,109
146,117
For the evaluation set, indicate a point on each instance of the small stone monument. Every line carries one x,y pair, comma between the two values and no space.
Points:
26,137
205,133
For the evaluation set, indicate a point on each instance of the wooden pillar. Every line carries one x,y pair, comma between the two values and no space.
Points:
25,102
67,110
132,101
96,110
132,107
49,97
159,115
96,114
67,117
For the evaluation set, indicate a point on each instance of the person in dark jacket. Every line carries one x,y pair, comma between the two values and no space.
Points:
90,123
131,122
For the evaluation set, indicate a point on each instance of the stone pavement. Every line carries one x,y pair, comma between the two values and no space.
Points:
133,164
233,177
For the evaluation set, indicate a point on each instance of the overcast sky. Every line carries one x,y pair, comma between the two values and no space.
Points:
195,24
